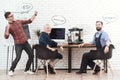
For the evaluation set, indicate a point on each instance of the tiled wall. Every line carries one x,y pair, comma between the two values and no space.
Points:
82,14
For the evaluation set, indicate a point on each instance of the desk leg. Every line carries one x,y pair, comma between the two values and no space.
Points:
69,59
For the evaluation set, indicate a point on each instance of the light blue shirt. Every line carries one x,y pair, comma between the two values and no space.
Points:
104,38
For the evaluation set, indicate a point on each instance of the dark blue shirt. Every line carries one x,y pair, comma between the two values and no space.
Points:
46,40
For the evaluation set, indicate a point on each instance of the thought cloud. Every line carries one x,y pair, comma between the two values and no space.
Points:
58,20
108,18
26,7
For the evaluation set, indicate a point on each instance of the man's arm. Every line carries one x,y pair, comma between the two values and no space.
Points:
34,15
107,43
50,48
30,20
106,50
84,44
6,34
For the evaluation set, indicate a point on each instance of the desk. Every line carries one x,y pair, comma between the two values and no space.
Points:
69,54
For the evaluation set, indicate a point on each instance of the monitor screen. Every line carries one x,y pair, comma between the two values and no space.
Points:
57,33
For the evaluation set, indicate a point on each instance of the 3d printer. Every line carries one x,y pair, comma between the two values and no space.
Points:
74,36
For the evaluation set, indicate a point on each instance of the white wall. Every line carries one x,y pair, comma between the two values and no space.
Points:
70,13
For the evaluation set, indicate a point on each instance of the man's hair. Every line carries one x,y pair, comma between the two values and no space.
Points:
100,22
46,25
7,14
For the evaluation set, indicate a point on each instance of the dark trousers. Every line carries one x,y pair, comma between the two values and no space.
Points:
59,56
87,59
19,48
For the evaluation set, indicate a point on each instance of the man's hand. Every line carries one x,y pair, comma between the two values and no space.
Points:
106,50
35,13
81,45
61,48
52,49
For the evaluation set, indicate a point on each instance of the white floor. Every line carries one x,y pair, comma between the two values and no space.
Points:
61,75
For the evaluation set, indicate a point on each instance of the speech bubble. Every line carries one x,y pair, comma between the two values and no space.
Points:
108,18
58,20
26,7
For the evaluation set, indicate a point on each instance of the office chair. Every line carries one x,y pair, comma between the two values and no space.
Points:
44,55
104,59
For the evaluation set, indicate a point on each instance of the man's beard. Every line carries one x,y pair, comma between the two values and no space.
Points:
98,29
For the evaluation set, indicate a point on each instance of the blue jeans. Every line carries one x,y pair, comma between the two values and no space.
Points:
19,48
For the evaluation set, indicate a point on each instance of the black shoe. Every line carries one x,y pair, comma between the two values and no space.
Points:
52,72
80,72
96,72
50,69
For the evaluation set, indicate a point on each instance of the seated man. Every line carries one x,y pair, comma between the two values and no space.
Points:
45,40
102,42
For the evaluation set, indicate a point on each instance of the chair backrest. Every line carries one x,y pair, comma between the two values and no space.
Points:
109,54
44,53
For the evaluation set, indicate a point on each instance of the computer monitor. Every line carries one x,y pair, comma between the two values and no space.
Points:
57,34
